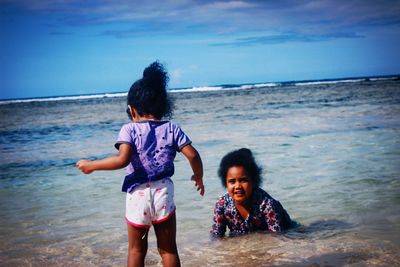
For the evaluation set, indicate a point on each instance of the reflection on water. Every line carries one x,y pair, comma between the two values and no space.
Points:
341,249
330,154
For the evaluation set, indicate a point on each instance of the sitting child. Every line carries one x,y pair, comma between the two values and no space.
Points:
245,207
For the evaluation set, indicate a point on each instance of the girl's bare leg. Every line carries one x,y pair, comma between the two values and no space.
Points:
166,242
137,247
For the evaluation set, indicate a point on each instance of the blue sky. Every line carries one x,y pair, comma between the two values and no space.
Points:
67,47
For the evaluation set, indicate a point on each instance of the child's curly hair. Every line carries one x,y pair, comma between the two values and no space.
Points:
148,95
241,157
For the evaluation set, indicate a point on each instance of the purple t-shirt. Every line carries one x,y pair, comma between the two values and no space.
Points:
154,146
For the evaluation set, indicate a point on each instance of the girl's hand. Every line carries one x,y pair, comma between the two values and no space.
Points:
84,166
198,182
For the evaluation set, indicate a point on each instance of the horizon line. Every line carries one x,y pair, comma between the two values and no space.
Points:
225,86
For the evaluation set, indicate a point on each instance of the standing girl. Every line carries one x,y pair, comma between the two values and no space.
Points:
147,148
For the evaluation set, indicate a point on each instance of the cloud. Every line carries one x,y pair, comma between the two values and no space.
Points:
219,17
286,38
382,21
231,5
136,30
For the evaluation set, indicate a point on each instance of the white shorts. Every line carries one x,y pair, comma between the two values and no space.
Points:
150,203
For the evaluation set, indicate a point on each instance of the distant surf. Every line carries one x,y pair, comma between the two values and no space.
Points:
223,87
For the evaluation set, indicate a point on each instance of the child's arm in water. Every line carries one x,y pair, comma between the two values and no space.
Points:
111,163
197,166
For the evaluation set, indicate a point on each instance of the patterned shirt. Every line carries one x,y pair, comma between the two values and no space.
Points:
265,214
154,146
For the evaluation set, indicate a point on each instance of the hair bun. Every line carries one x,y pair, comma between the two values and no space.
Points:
246,152
155,76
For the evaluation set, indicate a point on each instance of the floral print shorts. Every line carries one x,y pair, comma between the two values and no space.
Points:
150,203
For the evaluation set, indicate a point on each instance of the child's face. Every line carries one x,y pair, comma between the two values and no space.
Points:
239,184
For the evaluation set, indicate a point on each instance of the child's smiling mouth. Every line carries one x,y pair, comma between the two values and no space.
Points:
239,192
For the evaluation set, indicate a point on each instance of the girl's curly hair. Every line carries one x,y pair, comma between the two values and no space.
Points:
148,95
241,157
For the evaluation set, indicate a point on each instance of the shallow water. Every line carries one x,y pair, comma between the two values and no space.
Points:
330,154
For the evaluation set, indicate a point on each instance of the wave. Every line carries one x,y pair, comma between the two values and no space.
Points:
345,80
197,89
329,82
224,87
62,98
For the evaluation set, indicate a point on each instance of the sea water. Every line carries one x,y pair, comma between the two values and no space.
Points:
330,153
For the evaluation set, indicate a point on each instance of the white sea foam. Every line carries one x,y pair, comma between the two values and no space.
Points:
266,85
62,98
329,82
224,88
383,78
204,89
197,89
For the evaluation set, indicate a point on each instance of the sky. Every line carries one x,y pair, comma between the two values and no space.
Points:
70,47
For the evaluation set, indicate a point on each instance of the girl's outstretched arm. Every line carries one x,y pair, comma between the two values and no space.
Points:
197,166
111,163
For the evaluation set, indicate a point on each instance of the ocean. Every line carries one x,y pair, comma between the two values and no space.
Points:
330,152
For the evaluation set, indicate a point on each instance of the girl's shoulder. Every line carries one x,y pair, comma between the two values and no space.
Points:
226,196
267,202
126,129
260,195
224,200
128,126
173,125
